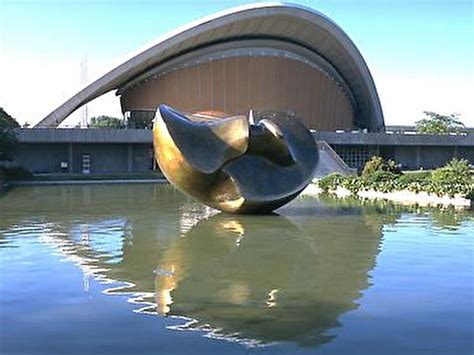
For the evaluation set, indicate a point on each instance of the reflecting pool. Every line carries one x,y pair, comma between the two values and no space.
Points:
126,269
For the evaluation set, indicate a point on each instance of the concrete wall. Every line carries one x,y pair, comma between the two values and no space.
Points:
407,156
465,153
142,157
42,157
411,157
104,158
122,151
412,151
109,136
432,157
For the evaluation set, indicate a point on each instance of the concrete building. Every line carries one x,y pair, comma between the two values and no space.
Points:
261,56
130,150
109,151
267,56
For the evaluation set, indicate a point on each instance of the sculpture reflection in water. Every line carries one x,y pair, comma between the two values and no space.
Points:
264,279
232,164
254,279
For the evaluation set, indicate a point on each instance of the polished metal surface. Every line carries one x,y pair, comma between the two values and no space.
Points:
234,165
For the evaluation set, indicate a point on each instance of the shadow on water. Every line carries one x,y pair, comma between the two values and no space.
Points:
253,279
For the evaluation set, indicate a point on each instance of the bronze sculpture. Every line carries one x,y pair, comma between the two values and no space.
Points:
232,164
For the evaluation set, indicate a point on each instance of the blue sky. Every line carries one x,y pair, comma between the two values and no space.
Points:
420,52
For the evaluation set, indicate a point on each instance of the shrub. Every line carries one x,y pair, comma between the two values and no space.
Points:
453,178
330,182
415,176
353,183
376,164
384,181
416,182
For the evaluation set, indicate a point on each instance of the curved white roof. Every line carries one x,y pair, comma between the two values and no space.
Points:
277,21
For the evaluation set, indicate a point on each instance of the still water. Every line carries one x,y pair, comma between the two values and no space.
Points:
128,269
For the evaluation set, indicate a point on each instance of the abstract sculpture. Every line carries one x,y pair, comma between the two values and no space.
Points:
232,164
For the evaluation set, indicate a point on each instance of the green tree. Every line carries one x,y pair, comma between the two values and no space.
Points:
8,138
106,122
439,124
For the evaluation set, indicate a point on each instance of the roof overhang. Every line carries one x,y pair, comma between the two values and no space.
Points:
293,24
